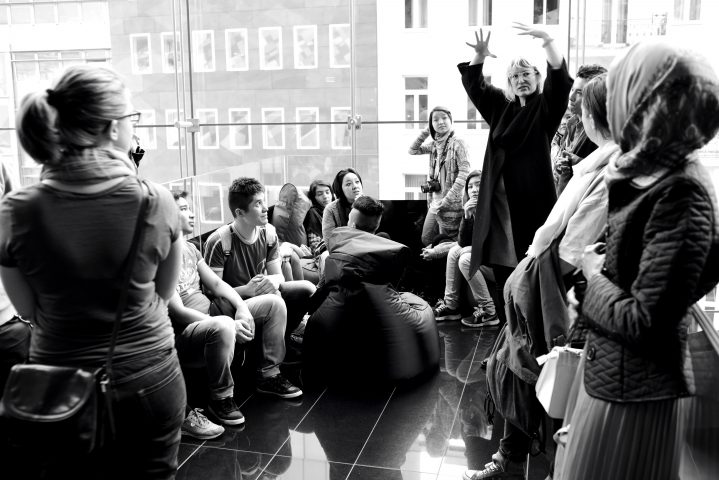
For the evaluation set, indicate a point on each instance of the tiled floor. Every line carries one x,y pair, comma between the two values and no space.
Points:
432,431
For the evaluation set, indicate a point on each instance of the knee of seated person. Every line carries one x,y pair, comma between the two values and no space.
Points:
223,325
465,260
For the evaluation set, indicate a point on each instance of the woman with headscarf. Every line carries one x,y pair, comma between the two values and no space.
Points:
448,170
662,255
517,189
347,185
321,195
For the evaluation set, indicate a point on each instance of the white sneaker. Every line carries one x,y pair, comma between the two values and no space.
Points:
198,426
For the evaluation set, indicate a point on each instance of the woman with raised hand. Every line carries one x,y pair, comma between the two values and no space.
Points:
661,256
64,243
517,190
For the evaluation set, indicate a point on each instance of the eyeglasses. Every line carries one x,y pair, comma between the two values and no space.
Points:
522,75
134,117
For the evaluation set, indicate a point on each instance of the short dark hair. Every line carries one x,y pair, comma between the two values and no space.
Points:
177,194
337,184
594,103
590,71
371,211
242,191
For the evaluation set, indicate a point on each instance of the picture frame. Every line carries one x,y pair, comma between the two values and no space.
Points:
209,135
168,51
308,132
240,135
203,50
273,136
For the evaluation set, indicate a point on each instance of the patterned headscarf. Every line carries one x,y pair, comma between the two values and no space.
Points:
662,105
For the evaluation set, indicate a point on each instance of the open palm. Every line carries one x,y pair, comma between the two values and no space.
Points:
482,45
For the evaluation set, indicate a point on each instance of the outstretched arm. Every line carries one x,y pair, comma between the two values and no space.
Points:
554,57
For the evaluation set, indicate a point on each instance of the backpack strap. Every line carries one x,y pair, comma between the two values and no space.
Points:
225,232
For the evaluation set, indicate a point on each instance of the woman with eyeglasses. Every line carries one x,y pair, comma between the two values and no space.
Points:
64,243
517,189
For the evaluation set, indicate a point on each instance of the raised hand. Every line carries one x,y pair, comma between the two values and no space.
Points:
481,48
529,30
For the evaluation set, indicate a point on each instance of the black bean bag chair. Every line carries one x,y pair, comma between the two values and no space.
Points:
364,329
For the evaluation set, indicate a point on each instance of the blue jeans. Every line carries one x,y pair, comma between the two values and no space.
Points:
210,343
149,407
458,262
148,404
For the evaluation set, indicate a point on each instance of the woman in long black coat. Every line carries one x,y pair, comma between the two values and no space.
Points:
517,191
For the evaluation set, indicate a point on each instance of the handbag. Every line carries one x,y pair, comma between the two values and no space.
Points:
555,379
67,410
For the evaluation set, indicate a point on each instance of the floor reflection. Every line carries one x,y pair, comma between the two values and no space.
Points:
434,430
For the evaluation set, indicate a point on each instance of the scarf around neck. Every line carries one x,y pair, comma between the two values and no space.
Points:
90,165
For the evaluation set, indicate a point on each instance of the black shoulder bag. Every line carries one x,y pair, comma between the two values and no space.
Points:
67,410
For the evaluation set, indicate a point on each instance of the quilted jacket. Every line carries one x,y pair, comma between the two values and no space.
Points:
662,256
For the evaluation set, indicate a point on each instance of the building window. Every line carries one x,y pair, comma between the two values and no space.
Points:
140,53
475,119
209,135
687,9
341,139
270,48
480,12
273,136
340,45
240,132
35,70
236,49
308,132
411,186
203,51
415,13
305,43
546,12
415,102
171,52
147,135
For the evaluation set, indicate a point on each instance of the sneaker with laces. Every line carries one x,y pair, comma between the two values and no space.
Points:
197,425
226,411
443,313
514,471
480,319
278,386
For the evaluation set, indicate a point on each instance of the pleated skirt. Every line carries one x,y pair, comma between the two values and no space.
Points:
622,441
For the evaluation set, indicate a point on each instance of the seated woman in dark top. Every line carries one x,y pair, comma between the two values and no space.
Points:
321,195
347,185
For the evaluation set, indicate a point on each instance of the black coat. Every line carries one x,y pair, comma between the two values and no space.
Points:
518,149
662,256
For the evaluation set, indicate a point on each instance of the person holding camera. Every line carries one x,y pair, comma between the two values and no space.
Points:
448,170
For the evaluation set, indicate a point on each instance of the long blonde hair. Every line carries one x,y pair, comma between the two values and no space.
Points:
520,62
73,114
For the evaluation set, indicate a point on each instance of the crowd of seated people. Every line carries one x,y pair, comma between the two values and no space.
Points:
635,220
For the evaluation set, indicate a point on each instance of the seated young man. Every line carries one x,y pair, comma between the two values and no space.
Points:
207,330
252,263
366,214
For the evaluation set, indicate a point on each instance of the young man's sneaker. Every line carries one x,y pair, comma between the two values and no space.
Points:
443,313
226,411
480,319
278,386
198,426
513,471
